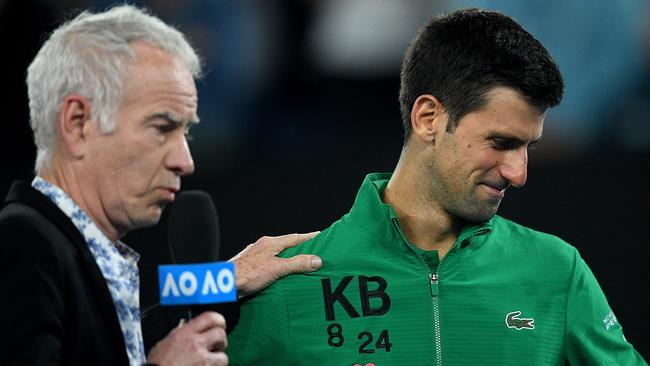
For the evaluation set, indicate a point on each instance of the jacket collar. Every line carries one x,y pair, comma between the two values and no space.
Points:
379,218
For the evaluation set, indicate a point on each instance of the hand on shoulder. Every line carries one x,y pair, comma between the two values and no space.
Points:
258,266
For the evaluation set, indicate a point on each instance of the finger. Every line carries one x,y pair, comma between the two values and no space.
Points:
291,240
214,339
206,321
218,359
299,264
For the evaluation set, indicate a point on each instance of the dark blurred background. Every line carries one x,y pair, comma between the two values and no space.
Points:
300,102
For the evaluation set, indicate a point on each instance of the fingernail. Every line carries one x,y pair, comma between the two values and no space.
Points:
316,262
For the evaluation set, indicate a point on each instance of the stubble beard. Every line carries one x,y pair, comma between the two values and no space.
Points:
478,211
464,205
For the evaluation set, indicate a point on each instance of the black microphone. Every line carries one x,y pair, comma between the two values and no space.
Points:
193,233
193,229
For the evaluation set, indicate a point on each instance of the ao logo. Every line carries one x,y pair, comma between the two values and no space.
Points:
187,283
202,283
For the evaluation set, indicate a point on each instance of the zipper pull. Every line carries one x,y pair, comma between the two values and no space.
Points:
433,284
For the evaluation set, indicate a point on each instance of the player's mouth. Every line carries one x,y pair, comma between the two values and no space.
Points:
495,190
169,193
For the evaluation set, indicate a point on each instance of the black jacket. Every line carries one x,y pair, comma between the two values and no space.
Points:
55,302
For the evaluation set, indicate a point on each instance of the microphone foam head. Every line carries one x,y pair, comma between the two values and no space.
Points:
193,228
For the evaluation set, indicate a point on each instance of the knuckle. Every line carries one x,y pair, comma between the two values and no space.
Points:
216,318
305,263
220,319
212,314
220,359
300,262
220,340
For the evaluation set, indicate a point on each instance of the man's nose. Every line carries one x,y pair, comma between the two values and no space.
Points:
514,167
179,158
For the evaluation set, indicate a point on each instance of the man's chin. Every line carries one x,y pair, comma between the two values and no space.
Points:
151,219
481,215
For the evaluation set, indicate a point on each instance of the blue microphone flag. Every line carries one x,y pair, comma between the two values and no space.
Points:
197,283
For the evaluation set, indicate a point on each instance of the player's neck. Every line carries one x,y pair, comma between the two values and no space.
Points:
424,223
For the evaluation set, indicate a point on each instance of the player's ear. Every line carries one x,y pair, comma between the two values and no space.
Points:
428,118
74,123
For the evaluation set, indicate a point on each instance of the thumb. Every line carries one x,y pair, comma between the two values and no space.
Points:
301,263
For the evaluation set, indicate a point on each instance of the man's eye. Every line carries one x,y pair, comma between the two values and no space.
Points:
165,128
188,135
532,146
502,144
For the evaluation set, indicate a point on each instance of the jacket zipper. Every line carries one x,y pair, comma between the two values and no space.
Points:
433,290
436,314
434,279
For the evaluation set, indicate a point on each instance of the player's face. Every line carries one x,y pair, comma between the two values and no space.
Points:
139,165
486,153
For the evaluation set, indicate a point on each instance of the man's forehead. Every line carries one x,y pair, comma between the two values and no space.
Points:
156,77
150,59
507,117
149,54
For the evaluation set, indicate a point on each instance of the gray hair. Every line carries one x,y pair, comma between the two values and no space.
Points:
87,55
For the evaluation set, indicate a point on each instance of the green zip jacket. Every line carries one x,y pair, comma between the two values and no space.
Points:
503,295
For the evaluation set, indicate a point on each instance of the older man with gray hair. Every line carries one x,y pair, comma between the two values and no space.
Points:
112,98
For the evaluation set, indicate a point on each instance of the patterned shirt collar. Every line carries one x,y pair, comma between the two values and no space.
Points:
117,262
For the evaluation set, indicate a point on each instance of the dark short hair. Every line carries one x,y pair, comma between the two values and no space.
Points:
460,57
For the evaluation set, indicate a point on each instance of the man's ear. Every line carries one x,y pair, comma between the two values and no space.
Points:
75,122
427,116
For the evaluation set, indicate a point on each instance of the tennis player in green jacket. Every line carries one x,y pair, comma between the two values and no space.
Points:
421,271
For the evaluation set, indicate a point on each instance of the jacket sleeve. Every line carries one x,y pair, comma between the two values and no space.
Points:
262,335
31,280
593,335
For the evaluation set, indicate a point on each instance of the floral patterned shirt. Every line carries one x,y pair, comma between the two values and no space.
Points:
117,262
